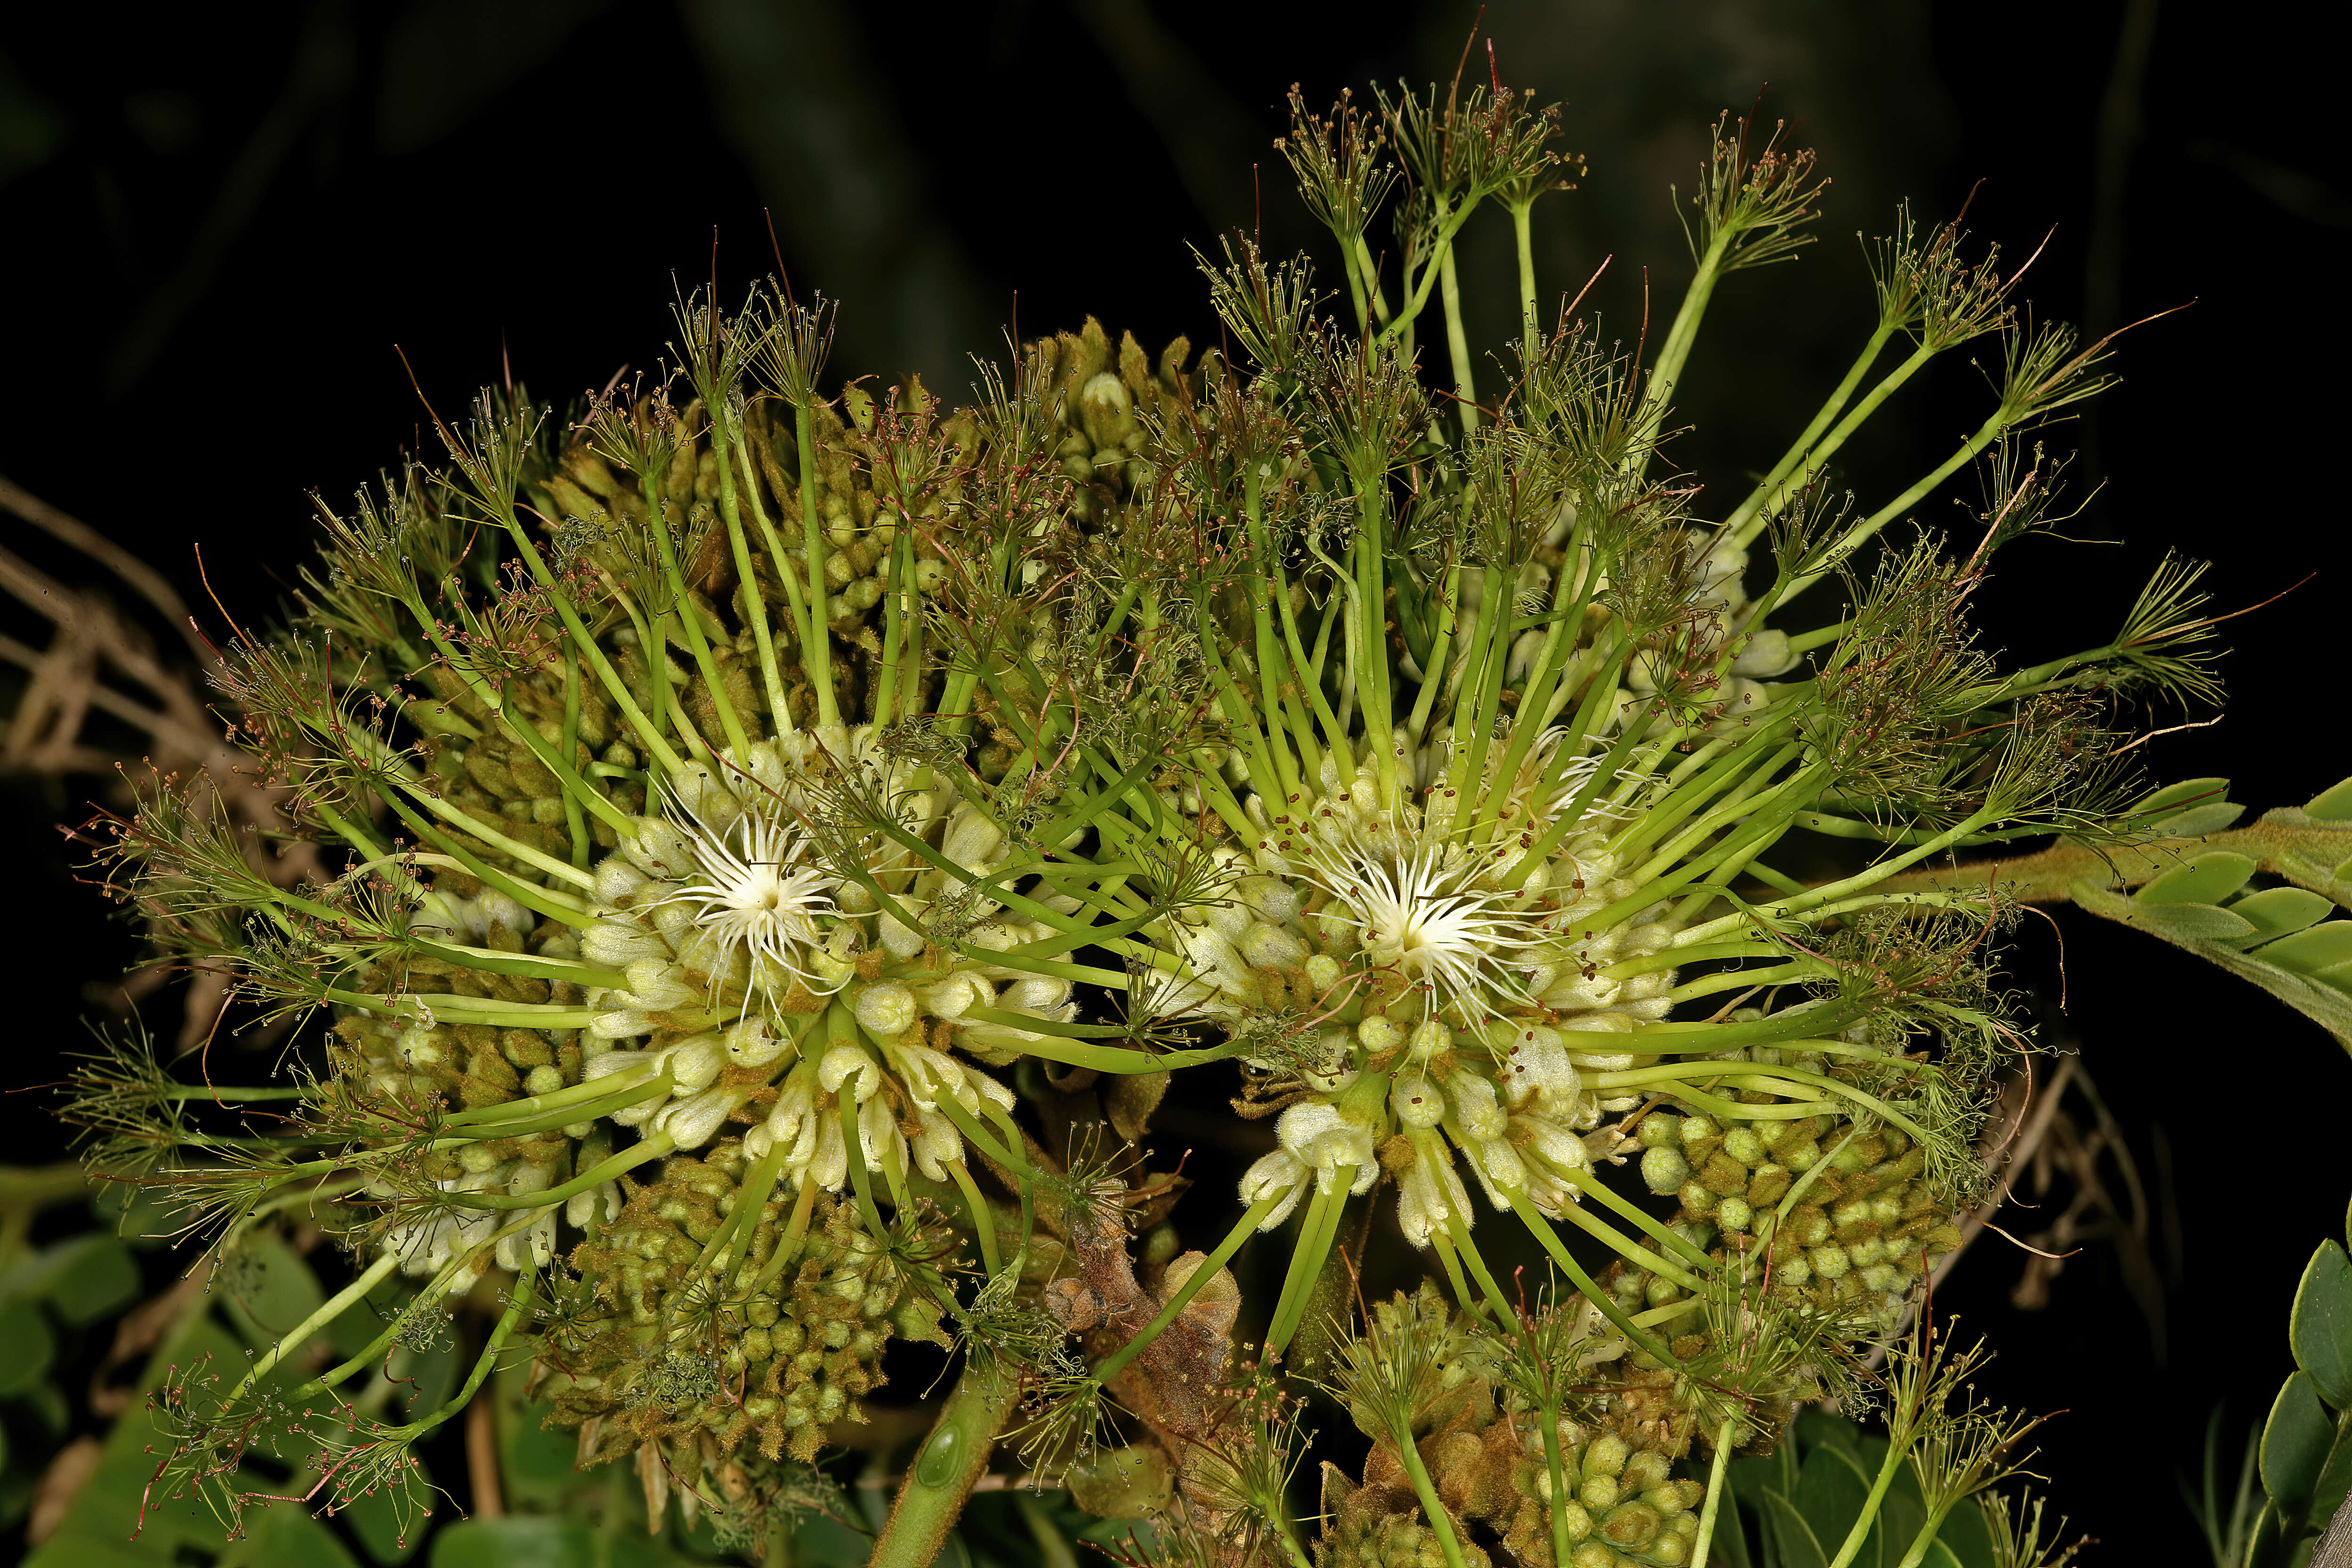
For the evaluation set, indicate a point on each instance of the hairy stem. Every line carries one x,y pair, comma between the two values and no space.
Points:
948,1465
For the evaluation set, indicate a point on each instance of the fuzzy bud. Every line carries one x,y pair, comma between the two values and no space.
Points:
656,847
1664,1169
1416,1100
694,1122
887,1010
1280,1171
616,944
1267,946
753,1042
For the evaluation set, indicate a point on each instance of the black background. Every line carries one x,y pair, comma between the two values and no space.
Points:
216,223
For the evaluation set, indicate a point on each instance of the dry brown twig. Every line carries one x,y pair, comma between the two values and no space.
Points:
100,698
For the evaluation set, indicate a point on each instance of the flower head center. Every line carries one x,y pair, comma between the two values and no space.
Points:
752,892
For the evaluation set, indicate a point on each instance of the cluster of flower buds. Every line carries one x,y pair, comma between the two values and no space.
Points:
761,1360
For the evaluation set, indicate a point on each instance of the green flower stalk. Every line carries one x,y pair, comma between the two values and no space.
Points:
754,823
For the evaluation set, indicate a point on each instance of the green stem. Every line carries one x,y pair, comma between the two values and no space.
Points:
730,507
628,1159
816,652
574,823
1584,1282
518,1307
1673,352
1317,1229
1441,1523
984,1223
948,1465
1715,1475
1896,1448
437,1286
1523,230
1746,522
1457,342
1924,1539
327,1313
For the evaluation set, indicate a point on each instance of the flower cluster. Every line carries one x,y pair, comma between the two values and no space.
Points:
781,844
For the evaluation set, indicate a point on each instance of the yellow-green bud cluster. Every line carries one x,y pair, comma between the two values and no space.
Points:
1483,1448
787,1345
1841,1218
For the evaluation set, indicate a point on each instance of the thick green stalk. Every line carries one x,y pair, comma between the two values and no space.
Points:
575,824
1317,1229
628,1159
1625,1247
1830,892
584,643
1585,1284
518,1308
697,646
372,1355
948,1465
1985,435
1441,1523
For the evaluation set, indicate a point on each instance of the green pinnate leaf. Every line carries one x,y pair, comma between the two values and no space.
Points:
2207,879
2317,995
1832,1489
2335,1480
2194,922
2320,1330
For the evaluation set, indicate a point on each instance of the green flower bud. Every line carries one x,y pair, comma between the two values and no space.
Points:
1664,1169
1630,1526
1105,411
887,1010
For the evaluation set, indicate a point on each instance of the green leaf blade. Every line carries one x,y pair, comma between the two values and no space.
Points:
2296,1440
2320,1327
